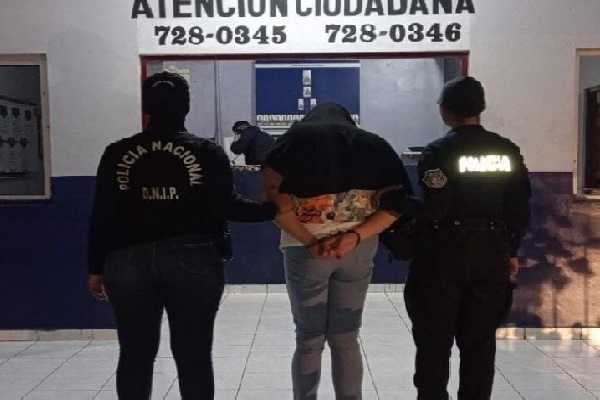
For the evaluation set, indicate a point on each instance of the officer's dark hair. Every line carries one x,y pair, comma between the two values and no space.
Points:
237,124
463,96
166,95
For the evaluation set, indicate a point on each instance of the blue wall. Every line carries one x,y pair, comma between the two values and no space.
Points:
43,258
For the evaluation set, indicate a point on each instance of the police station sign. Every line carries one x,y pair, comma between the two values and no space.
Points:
302,26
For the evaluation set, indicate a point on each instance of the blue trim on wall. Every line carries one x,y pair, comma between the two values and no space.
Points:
43,261
43,255
43,258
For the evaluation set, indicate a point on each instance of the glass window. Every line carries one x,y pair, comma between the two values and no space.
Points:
24,172
589,122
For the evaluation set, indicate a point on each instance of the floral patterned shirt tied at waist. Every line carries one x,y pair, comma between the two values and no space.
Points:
331,213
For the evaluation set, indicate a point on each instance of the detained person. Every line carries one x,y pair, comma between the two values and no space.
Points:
325,174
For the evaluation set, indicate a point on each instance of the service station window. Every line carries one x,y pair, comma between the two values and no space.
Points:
589,122
24,172
395,97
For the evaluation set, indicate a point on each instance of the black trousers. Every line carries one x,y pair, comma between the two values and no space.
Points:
185,277
457,289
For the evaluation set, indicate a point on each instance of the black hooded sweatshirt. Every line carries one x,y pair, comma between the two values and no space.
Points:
327,153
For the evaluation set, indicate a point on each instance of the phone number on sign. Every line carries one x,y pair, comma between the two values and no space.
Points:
397,33
241,34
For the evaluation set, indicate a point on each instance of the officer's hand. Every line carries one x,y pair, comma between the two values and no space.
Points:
324,248
96,287
342,244
514,266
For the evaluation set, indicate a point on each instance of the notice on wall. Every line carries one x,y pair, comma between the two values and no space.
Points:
287,91
302,26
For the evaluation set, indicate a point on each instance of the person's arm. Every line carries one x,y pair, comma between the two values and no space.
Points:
240,146
102,223
343,243
224,196
517,212
392,202
246,210
286,216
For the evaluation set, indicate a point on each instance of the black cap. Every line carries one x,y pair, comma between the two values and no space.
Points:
463,96
166,94
237,124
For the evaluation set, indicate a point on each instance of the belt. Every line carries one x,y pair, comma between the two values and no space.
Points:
187,239
470,224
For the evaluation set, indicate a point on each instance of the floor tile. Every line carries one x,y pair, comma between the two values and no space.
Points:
224,351
566,348
254,345
265,395
257,365
75,366
227,381
510,365
229,365
235,340
547,382
279,381
104,350
106,395
277,351
79,381
15,386
557,395
55,350
505,396
30,366
585,365
61,395
286,339
588,381
9,349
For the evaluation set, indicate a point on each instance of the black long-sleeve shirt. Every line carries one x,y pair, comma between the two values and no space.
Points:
254,144
472,173
160,184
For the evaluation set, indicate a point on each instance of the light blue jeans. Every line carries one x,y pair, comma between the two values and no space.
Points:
327,299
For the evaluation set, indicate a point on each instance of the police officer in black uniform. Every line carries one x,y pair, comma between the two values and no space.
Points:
476,210
251,141
158,239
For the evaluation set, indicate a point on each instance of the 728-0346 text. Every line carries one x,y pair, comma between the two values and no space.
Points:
415,32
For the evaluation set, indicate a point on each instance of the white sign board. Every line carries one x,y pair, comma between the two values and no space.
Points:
302,26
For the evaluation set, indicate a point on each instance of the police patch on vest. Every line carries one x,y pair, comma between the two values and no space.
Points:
435,179
488,163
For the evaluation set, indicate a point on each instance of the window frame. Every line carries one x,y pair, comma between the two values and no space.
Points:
39,60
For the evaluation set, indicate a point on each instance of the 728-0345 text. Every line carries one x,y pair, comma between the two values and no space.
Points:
241,34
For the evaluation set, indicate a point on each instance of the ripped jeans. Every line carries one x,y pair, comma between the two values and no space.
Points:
327,299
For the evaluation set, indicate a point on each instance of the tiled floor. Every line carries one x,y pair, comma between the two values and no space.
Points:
253,349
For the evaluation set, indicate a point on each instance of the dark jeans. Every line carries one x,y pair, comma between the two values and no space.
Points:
457,290
184,276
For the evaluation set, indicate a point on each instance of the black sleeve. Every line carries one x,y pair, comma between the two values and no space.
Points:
103,215
224,196
517,213
396,201
245,210
241,145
